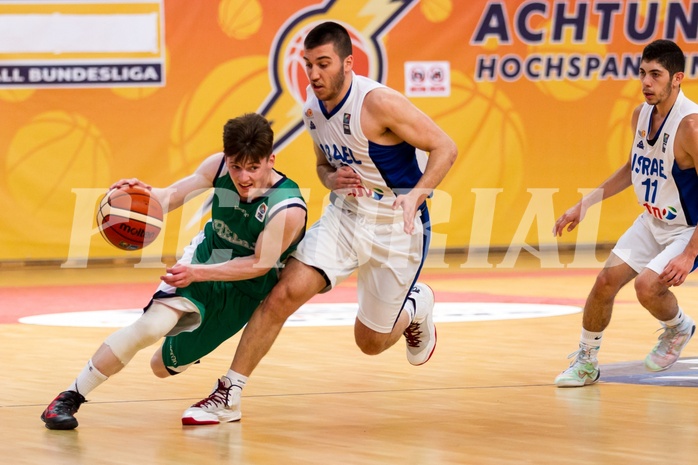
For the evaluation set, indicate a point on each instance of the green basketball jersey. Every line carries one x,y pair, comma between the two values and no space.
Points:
235,226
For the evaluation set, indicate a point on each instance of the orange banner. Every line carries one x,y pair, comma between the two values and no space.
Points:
537,95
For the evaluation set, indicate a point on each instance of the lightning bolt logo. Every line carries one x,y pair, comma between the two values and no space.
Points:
367,22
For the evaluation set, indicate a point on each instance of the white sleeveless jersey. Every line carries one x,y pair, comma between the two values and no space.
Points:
385,170
667,192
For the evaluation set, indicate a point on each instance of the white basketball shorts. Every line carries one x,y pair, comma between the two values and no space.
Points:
652,243
387,259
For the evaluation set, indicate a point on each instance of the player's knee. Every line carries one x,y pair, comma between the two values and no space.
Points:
647,288
143,332
158,366
280,303
369,341
605,286
370,347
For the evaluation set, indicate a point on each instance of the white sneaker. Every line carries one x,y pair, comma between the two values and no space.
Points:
671,343
583,370
223,405
420,335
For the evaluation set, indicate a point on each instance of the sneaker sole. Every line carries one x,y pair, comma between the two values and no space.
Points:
67,425
189,420
598,375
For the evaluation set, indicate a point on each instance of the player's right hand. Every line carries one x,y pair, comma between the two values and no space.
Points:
571,218
345,178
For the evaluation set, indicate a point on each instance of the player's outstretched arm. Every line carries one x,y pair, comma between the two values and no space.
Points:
185,189
175,195
285,228
617,182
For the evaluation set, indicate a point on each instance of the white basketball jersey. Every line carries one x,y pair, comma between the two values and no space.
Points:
667,192
385,170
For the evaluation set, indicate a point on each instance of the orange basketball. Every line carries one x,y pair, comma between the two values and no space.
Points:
129,217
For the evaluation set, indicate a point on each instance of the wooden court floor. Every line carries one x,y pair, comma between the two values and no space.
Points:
486,397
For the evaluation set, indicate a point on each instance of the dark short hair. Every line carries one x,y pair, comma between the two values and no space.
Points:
667,54
248,138
330,33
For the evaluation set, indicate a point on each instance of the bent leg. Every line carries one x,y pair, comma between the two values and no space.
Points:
120,347
655,296
372,342
599,304
297,284
116,351
584,368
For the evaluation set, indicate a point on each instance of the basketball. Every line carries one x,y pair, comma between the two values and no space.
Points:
129,218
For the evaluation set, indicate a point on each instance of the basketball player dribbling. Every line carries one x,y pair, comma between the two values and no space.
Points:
365,138
257,218
659,250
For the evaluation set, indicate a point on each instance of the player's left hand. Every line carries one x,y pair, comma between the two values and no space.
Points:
179,276
409,203
677,270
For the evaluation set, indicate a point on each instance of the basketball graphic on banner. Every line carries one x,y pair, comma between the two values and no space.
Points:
436,11
239,19
16,95
294,72
233,88
47,158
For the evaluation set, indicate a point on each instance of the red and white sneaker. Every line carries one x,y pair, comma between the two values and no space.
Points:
420,335
222,405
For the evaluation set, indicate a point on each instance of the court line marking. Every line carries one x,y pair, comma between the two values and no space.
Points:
326,314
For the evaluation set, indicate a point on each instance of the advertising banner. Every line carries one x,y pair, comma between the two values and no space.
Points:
537,95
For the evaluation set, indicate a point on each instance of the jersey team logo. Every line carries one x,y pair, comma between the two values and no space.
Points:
261,212
367,21
670,213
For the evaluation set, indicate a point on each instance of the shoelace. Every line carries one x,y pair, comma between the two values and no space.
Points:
581,355
413,335
668,340
66,404
219,397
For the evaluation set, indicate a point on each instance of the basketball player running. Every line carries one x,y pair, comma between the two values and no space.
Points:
258,216
365,136
659,250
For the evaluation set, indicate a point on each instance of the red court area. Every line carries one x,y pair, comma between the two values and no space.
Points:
18,302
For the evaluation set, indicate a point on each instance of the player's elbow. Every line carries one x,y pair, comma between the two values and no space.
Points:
261,267
451,152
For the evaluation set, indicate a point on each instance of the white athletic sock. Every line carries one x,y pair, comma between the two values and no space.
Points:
591,339
410,308
676,321
88,379
236,379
